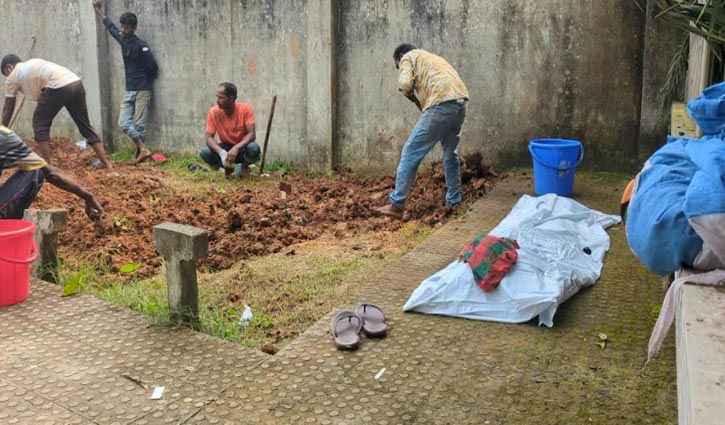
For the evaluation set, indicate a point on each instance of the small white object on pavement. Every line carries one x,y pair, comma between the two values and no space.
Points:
158,393
379,374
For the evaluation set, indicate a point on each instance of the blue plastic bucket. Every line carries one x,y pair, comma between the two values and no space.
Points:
555,162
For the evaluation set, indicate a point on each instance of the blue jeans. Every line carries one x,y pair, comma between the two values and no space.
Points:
134,113
248,155
440,122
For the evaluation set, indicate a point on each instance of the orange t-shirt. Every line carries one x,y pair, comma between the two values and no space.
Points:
230,128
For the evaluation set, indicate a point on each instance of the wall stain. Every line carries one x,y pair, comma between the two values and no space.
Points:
294,46
429,20
251,66
377,147
567,98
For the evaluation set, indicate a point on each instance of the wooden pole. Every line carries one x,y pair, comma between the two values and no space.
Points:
266,136
16,114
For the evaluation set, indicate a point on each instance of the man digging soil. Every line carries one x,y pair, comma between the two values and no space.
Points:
437,90
53,87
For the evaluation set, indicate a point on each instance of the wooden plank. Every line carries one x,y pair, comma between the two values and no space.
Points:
698,70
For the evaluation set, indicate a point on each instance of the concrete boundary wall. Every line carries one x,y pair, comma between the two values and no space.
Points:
561,68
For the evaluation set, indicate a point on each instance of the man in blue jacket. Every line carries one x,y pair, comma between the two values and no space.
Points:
141,70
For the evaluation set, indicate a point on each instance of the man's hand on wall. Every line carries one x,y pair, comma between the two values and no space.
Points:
97,4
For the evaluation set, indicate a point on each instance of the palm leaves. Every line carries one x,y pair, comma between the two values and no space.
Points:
705,18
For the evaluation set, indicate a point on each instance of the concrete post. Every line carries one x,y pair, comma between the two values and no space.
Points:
48,224
181,246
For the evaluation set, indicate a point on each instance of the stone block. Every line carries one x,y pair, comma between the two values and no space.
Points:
48,224
181,242
181,246
700,354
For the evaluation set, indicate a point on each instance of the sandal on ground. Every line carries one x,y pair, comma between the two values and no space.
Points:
345,328
374,322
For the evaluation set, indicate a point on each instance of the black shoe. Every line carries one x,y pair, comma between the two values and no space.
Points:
453,208
193,168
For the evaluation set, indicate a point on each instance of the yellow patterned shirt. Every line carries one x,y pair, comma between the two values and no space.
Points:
430,79
15,153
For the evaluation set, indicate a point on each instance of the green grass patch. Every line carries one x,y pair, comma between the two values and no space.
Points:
287,166
287,293
122,156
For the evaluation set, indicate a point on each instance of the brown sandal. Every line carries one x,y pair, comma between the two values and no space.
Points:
345,328
374,322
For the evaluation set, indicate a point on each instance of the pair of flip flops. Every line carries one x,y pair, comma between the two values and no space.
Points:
347,325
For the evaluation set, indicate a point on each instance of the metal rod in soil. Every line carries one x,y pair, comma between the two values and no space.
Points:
266,136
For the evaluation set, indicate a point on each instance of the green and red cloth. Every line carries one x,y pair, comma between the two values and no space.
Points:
490,258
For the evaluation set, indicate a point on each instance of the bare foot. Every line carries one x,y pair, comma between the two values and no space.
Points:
142,156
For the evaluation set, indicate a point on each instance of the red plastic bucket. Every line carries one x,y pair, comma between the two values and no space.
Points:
17,252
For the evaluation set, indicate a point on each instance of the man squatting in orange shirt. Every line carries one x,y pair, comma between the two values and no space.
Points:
234,123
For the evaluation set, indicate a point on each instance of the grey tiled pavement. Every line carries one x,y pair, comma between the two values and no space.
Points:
78,360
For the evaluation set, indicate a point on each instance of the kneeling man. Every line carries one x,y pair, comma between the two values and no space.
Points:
234,123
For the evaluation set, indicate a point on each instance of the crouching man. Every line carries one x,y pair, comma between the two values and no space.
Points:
234,123
21,189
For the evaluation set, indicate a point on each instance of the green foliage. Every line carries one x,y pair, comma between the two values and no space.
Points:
129,268
287,166
676,74
703,19
122,156
706,20
74,284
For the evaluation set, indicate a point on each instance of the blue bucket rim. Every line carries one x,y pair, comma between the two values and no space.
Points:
551,142
568,143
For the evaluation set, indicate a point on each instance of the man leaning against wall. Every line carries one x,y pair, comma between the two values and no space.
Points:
141,69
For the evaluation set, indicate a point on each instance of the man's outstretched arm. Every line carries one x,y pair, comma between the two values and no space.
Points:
59,179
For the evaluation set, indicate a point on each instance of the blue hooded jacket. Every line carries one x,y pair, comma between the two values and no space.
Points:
680,184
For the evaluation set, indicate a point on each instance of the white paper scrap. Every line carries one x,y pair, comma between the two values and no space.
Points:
158,393
380,374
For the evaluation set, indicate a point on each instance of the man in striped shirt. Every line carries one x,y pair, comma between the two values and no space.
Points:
52,87
435,87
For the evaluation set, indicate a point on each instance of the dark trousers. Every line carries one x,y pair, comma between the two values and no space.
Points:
19,192
249,155
73,98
